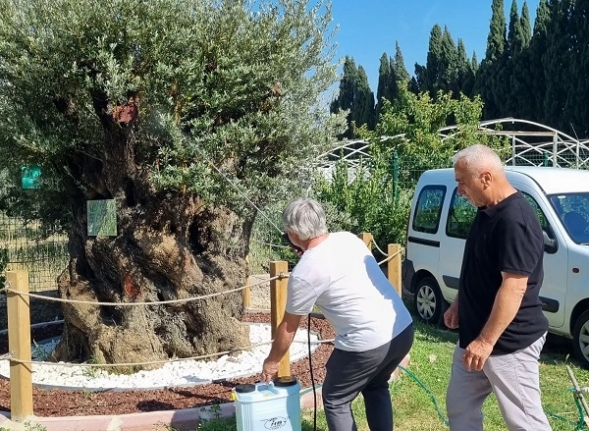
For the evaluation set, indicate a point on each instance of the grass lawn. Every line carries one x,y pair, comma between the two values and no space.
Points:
415,401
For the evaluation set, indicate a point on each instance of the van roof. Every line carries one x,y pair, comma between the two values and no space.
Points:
551,180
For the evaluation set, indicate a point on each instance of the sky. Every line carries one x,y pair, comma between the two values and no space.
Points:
368,28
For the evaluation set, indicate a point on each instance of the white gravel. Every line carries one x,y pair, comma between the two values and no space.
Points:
171,374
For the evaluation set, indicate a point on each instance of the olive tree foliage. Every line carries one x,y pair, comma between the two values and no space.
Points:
406,141
175,109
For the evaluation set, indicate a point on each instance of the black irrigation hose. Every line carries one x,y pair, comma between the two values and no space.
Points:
311,373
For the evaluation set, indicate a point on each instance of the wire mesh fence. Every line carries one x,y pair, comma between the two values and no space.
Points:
29,245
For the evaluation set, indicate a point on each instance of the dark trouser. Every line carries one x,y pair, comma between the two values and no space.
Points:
349,373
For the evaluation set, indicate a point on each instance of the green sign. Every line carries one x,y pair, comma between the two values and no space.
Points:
102,217
30,177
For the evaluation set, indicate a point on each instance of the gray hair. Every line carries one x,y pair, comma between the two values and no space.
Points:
305,217
477,158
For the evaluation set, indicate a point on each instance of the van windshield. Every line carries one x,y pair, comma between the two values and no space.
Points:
573,211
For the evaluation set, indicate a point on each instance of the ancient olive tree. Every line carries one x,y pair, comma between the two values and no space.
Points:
137,103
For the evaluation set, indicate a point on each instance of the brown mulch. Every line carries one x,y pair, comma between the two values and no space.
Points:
78,403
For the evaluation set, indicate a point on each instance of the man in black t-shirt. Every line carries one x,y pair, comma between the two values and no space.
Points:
498,312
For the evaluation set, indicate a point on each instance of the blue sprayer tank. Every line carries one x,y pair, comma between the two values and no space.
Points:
272,406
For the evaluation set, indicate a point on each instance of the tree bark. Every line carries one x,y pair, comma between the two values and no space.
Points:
170,245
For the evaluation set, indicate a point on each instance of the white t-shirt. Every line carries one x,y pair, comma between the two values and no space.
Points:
343,279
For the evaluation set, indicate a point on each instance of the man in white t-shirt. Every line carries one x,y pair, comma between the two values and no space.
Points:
373,328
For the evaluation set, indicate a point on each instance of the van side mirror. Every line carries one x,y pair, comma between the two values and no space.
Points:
550,244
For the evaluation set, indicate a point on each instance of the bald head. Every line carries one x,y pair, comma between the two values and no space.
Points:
477,159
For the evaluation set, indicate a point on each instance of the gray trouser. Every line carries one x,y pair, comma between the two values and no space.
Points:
349,373
515,380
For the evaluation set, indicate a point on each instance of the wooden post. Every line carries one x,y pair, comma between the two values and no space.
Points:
247,295
394,267
19,345
367,238
247,292
278,292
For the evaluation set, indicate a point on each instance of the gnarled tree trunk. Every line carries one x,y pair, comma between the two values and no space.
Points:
170,245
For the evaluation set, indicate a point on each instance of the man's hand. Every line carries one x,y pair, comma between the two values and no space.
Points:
476,354
451,315
293,247
296,251
282,340
269,370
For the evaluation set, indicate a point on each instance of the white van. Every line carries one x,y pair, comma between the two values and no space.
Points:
440,220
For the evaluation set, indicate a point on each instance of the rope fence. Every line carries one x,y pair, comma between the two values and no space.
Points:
390,257
127,304
374,243
161,362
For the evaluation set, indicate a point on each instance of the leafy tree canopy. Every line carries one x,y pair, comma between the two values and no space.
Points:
177,84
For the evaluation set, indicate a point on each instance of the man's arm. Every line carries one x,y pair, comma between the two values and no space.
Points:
505,307
451,315
507,303
282,340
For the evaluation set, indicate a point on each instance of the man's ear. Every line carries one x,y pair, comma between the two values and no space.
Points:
486,178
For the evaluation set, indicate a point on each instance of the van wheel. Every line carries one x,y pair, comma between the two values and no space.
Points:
429,302
581,339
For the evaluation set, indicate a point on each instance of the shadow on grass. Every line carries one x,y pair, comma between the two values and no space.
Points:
429,331
435,332
558,351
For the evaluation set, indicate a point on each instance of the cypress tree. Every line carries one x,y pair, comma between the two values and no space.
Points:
509,78
418,81
542,19
515,36
355,97
532,65
557,61
487,83
474,63
392,75
345,98
576,108
496,40
347,92
448,72
399,66
364,112
464,81
525,26
433,67
385,82
521,98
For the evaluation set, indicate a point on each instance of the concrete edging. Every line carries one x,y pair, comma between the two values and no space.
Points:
182,418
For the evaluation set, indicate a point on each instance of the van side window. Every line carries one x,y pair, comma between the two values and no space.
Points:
538,210
460,216
429,209
573,211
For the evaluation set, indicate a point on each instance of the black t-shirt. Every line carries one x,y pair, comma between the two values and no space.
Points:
505,237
